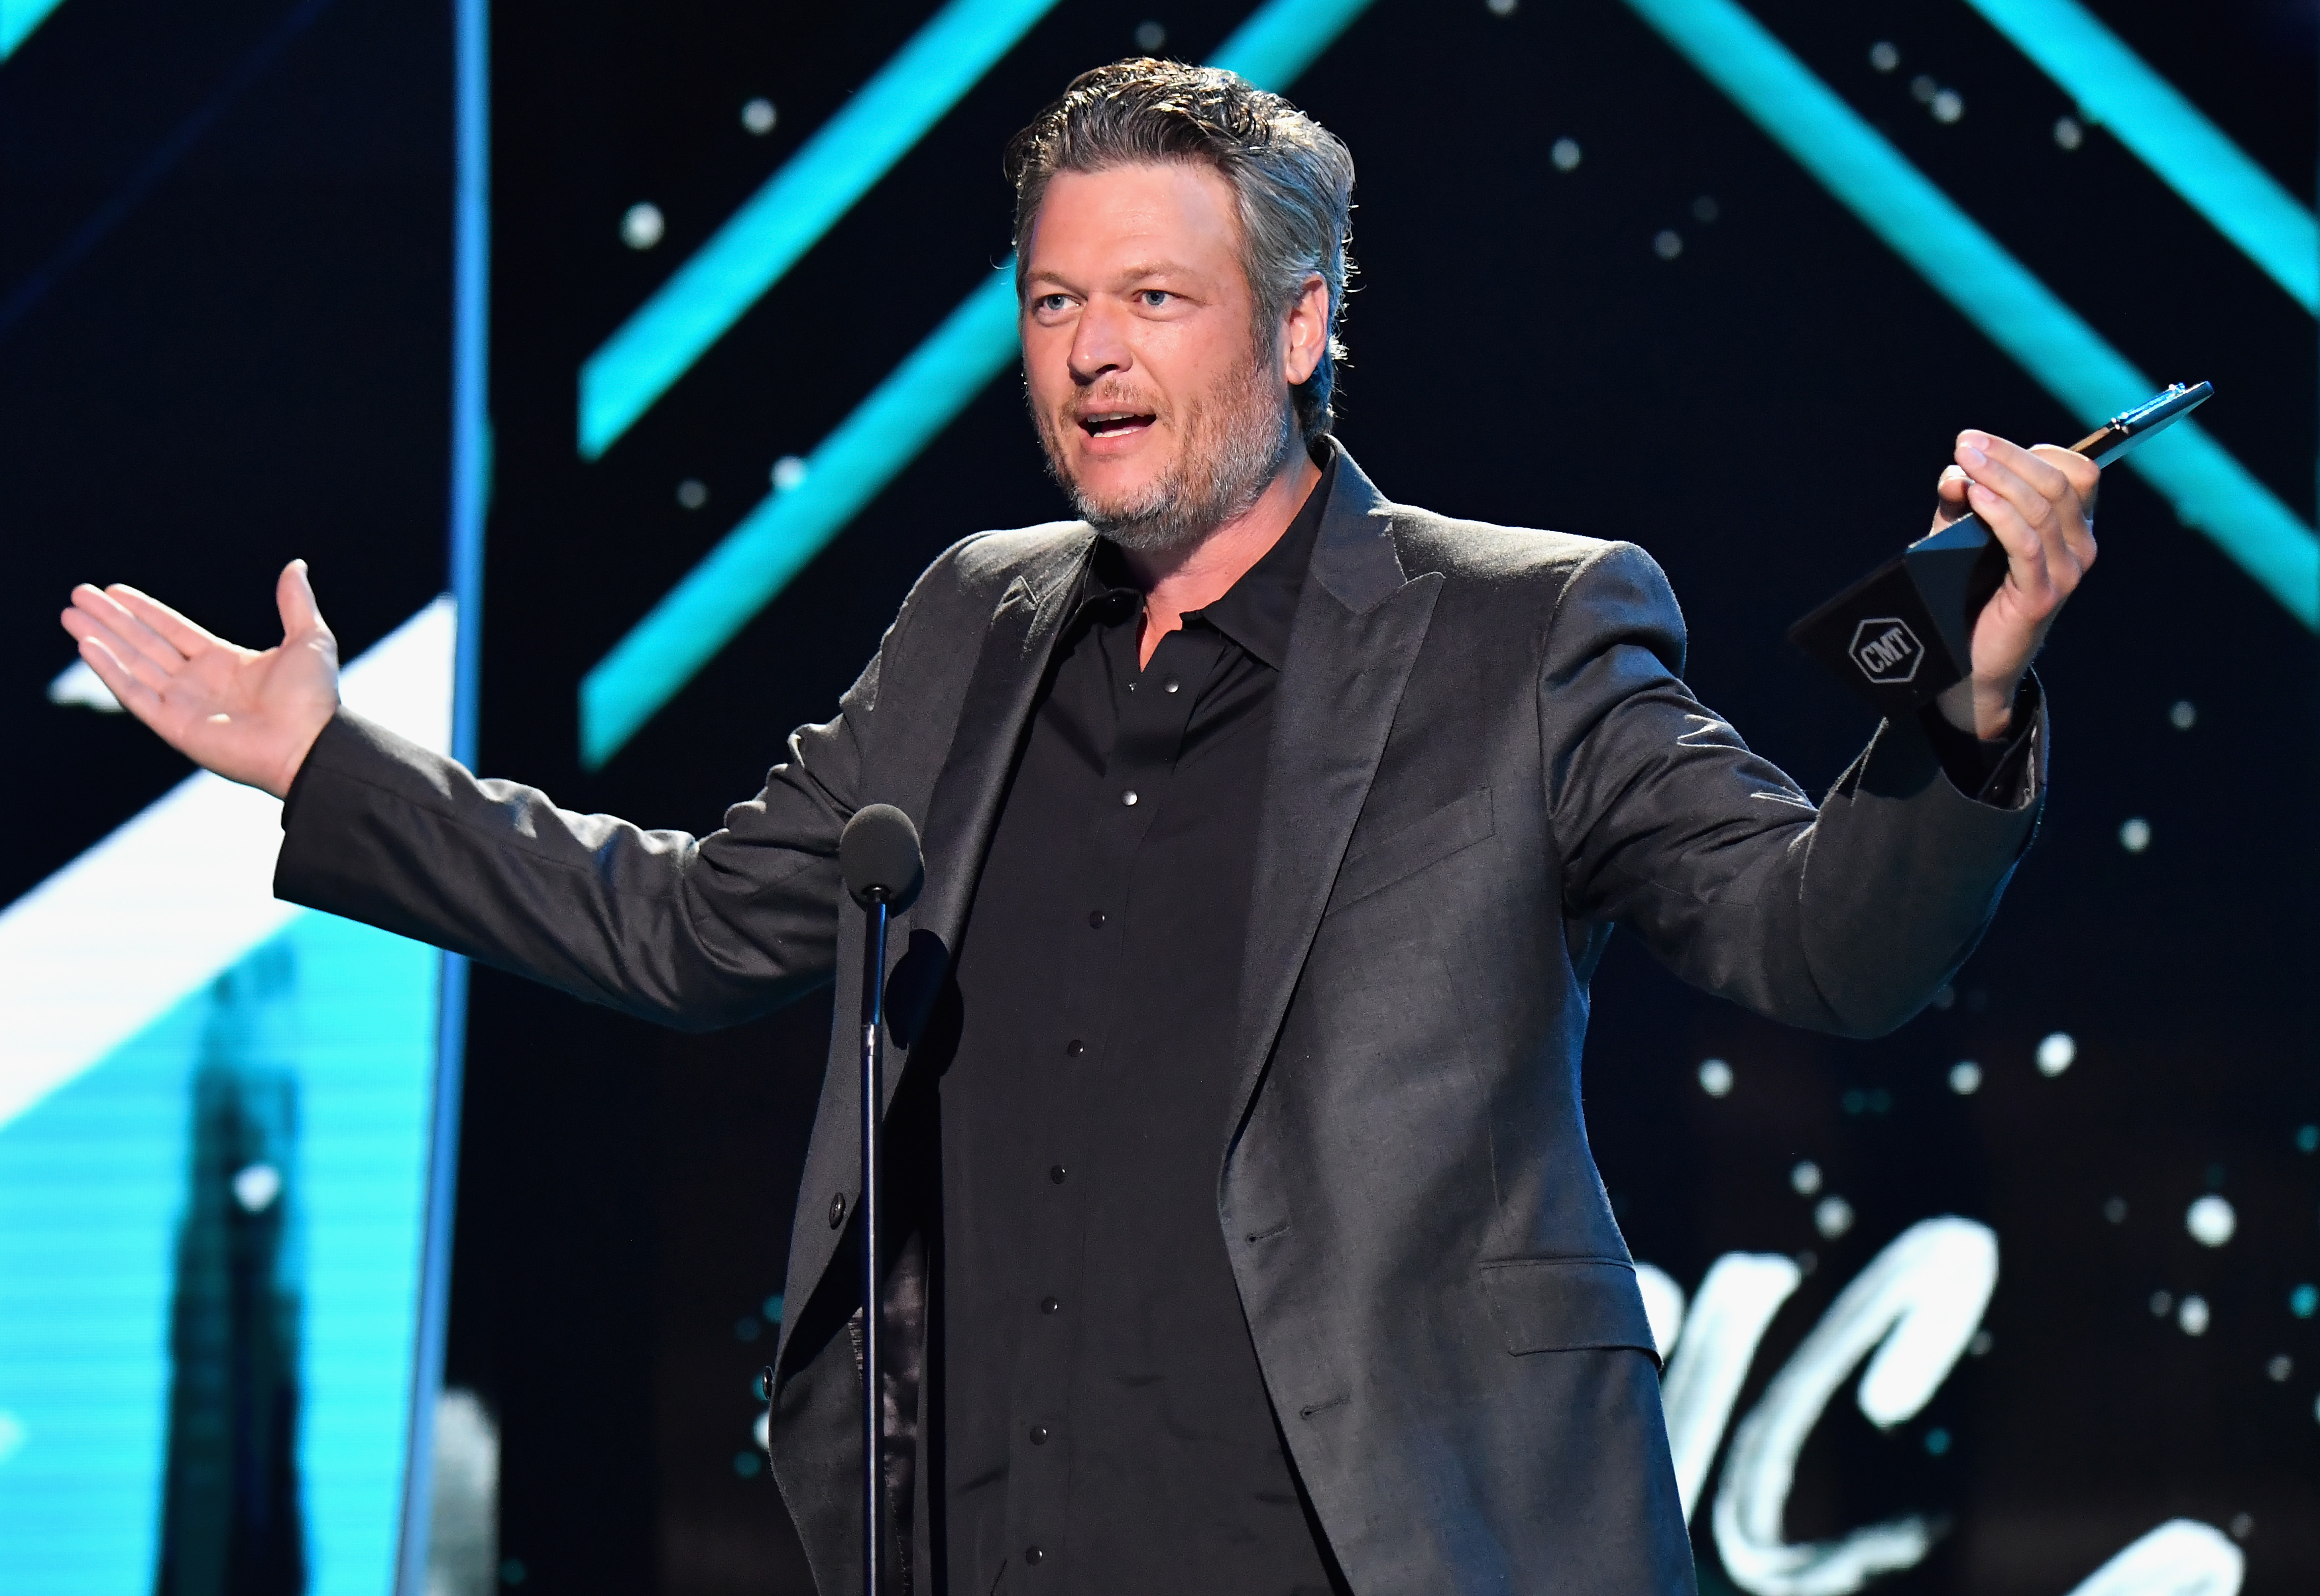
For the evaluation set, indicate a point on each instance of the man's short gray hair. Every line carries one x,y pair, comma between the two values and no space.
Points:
1293,177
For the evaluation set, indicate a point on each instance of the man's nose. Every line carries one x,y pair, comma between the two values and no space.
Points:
1098,345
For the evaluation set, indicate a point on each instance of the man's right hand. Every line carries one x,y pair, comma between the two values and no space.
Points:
248,715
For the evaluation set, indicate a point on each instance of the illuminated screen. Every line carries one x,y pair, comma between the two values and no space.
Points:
226,295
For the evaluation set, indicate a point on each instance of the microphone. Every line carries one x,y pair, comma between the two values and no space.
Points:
878,856
878,852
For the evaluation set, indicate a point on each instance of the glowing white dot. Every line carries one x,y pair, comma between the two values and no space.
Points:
2183,715
1716,1077
1981,1343
1948,105
12,1435
1883,57
2163,1303
2193,1316
2134,836
762,1432
1564,155
1667,243
2115,1210
1923,89
1965,1077
1805,1178
1151,36
1832,1216
2068,133
789,470
2241,1526
2211,1221
642,225
257,1186
1501,7
2280,1367
2057,1053
759,116
692,493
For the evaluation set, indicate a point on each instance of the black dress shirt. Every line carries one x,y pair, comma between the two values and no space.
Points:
1098,1422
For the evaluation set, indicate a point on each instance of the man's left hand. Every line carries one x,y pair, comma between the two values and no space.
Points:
2040,504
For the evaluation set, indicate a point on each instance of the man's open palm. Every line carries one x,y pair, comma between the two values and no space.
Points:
249,716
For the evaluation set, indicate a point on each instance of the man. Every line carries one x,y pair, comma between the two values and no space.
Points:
1251,1242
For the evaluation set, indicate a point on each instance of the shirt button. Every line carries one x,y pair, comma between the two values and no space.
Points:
1171,685
836,1212
1129,798
1048,1304
1095,919
1033,1555
1038,1435
1074,1047
1058,1174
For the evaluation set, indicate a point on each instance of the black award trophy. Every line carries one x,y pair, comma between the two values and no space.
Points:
1903,634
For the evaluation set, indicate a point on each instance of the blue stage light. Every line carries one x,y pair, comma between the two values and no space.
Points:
885,433
844,160
18,18
2021,315
2117,89
756,560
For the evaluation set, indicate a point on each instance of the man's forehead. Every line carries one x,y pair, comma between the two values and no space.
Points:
1172,213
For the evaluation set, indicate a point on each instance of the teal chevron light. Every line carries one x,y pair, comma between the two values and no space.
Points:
2118,90
18,18
883,435
2209,488
843,161
757,559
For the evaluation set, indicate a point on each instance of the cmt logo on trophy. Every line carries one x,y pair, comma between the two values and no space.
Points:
1888,652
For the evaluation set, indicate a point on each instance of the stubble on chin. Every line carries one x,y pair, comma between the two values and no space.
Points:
1226,455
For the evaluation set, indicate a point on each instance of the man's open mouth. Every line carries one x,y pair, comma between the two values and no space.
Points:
1115,423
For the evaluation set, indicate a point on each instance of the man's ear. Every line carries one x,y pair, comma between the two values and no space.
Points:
1305,330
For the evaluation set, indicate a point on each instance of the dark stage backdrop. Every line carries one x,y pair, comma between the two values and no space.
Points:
1595,295
1762,401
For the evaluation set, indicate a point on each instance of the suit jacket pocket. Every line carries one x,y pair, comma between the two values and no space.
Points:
1457,824
1558,1304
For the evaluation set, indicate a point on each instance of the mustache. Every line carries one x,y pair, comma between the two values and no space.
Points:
1109,400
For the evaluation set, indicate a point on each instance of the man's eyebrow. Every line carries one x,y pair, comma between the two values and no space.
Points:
1152,269
1134,273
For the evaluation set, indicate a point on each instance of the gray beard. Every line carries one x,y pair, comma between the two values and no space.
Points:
1229,458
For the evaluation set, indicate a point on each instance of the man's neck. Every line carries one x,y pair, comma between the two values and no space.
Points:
1197,576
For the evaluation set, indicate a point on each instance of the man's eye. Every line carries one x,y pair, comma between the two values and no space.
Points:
1156,299
1051,304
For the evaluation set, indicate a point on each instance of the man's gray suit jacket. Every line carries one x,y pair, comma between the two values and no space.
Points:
1483,758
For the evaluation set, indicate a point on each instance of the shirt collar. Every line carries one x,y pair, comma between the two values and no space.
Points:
1258,610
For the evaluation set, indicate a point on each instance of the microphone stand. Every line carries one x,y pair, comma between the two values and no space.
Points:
874,1017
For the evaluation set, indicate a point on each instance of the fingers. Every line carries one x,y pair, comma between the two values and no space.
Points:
134,645
135,696
1949,498
182,636
2031,504
2086,480
294,596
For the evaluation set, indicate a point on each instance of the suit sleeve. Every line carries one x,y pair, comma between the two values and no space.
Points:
1845,918
695,933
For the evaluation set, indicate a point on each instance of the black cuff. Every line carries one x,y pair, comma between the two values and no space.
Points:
1999,772
298,781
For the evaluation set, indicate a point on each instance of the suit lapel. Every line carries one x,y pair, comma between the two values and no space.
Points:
1360,624
964,807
